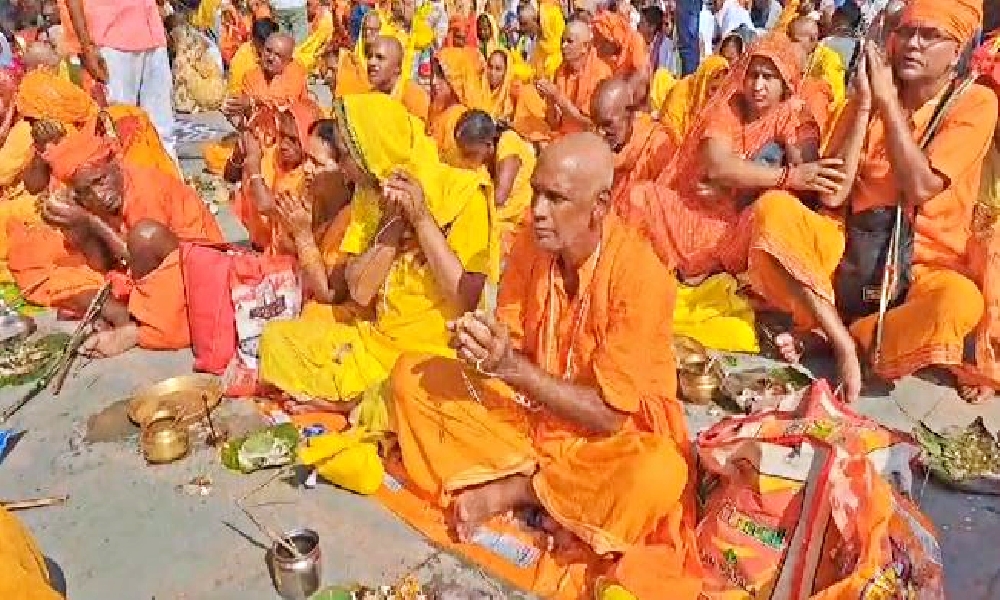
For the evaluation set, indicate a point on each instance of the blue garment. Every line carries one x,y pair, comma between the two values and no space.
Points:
357,17
664,55
688,14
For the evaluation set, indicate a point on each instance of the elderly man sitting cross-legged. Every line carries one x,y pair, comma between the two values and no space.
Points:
565,401
122,221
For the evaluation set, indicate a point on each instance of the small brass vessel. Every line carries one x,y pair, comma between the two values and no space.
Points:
698,387
164,439
697,374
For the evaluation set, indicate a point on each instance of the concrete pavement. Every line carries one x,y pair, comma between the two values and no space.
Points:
128,533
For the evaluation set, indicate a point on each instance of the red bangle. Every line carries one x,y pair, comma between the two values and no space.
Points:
783,179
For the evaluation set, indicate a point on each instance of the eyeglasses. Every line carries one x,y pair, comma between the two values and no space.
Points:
925,37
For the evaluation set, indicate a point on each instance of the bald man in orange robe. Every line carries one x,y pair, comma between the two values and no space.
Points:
557,404
568,95
114,220
642,146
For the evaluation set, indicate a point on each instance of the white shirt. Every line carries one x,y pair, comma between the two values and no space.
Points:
287,4
706,32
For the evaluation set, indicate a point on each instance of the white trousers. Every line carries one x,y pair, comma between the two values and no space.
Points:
144,79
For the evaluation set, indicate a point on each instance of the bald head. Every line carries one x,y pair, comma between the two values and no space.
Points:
579,28
572,183
804,31
385,62
282,43
527,20
612,111
576,42
277,54
611,96
586,158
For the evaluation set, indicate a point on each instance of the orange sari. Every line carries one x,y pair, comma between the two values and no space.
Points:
266,232
699,235
464,71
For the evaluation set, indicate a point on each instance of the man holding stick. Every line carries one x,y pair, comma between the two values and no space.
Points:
795,252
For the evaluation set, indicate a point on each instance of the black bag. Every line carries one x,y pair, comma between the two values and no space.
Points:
857,284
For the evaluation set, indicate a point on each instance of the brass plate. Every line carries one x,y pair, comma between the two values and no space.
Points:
186,396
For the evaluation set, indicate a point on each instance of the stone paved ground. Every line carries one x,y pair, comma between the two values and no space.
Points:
127,533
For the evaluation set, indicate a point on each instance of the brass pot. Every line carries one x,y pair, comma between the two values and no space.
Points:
164,439
699,388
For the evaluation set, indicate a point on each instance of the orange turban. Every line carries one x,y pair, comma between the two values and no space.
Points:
960,19
44,95
77,150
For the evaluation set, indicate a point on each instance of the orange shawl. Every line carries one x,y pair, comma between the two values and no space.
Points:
579,86
644,156
632,54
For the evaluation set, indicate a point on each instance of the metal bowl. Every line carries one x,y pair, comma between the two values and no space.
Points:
186,396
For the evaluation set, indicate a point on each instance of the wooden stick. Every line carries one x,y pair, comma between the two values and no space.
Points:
33,503
277,539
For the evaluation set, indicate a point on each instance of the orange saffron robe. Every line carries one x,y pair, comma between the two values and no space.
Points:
611,491
945,301
352,78
579,87
633,56
287,88
50,271
644,156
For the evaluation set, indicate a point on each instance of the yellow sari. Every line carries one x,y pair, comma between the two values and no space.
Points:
501,99
311,49
204,17
661,85
689,96
512,213
826,64
333,359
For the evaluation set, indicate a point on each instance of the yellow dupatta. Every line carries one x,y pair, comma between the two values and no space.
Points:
690,95
311,49
494,44
501,100
382,136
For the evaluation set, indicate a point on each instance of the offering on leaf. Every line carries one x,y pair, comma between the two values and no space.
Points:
968,460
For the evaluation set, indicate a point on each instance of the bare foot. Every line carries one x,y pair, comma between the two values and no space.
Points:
976,394
475,506
111,342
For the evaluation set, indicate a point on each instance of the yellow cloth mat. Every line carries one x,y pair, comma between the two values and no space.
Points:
714,314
